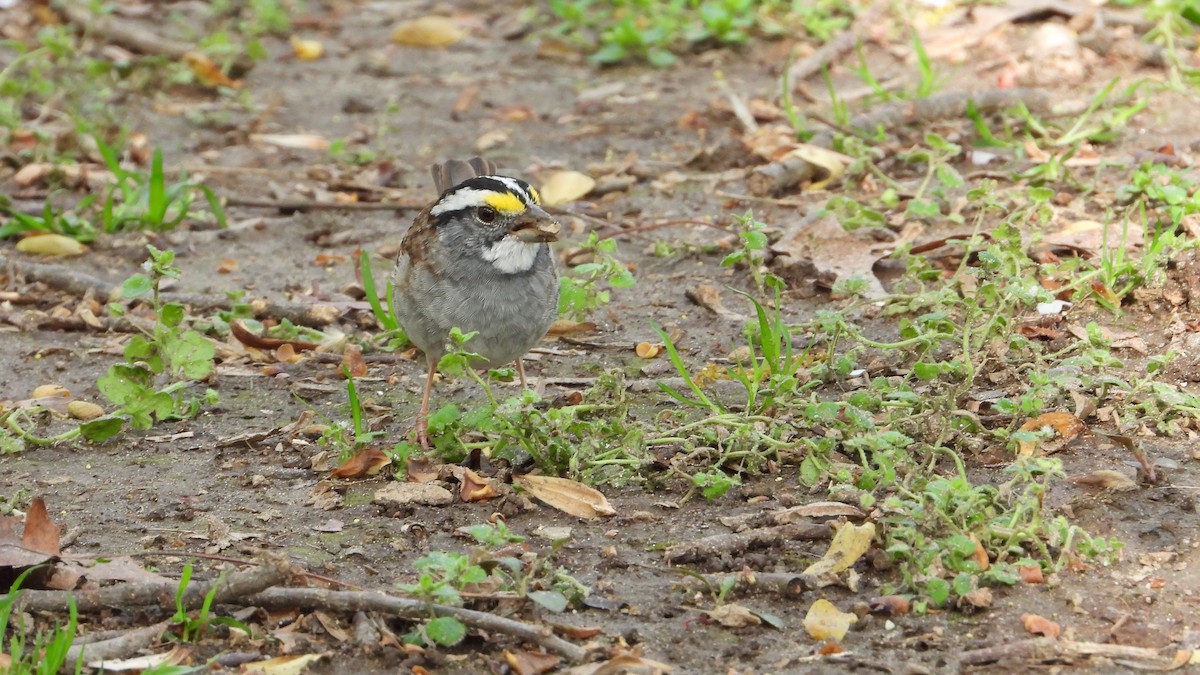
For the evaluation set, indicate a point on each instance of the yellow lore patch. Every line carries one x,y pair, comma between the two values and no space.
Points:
505,202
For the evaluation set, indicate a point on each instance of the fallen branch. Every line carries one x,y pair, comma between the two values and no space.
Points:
1054,649
230,589
132,36
837,47
124,645
59,277
777,176
721,544
377,601
302,205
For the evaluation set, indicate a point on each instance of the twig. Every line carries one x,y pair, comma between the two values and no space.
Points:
130,35
1052,649
377,601
720,544
122,646
834,49
314,315
232,588
772,178
301,205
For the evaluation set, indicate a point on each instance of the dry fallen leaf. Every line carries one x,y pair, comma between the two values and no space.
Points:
567,496
734,616
51,244
307,50
428,31
647,350
848,545
832,164
472,487
1037,625
208,72
568,327
366,463
293,141
84,410
36,545
1067,425
890,605
531,663
1031,574
824,621
981,556
562,187
281,665
352,362
1105,479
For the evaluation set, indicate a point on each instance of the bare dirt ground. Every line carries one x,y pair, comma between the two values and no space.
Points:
235,481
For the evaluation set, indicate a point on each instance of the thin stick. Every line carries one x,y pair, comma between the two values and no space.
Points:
294,205
376,601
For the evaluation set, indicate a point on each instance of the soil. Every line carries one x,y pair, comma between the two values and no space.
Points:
170,489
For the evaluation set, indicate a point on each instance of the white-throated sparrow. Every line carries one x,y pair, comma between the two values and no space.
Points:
476,259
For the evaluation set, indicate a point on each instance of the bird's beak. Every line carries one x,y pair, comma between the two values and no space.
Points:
535,226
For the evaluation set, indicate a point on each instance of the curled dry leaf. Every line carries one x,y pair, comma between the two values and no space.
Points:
307,50
848,545
733,616
282,665
208,73
647,350
84,410
428,32
832,164
562,187
366,463
472,487
1038,625
824,621
980,555
531,663
980,598
1105,479
1031,574
352,362
890,605
51,244
1066,425
567,496
568,327
293,141
48,390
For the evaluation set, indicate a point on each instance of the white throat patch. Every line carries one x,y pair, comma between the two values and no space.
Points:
511,255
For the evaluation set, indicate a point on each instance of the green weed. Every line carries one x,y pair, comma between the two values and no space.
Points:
581,291
144,201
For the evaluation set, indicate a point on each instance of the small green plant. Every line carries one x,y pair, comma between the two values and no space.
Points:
144,201
191,629
168,351
580,291
382,306
67,223
751,250
443,577
48,652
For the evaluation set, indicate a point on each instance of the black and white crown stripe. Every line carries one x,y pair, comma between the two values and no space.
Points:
472,193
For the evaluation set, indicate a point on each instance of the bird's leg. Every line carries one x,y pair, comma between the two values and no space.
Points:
521,372
423,414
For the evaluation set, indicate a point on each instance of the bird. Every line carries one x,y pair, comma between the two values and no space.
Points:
477,259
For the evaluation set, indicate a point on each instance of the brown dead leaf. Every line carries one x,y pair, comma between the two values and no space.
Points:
1031,574
366,463
824,251
37,544
472,487
1105,479
423,469
980,556
890,605
709,297
568,327
567,496
1065,424
51,244
531,663
208,73
353,363
227,266
980,598
1037,625
733,616
829,648
562,187
824,621
428,32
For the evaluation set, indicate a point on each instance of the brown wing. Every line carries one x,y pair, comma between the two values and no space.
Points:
455,171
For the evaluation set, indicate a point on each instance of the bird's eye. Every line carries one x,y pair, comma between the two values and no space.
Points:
486,214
